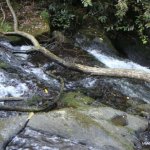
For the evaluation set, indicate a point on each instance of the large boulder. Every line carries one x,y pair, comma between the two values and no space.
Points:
91,126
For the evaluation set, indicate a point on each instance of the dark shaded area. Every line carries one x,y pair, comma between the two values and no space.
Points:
132,48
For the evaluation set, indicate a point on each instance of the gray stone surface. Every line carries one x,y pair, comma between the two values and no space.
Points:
92,126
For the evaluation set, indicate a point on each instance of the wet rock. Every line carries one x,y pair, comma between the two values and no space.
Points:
60,37
75,100
8,128
138,107
30,138
120,120
133,49
95,38
144,138
91,126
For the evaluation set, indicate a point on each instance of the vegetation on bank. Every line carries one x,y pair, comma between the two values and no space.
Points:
68,15
115,16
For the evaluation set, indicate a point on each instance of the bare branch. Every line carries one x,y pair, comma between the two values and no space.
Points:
13,14
4,99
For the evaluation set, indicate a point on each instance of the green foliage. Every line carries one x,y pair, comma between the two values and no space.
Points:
102,19
116,15
122,9
34,100
139,18
61,18
86,3
3,65
123,15
5,27
45,15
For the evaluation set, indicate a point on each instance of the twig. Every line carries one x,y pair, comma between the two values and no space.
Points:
14,15
13,99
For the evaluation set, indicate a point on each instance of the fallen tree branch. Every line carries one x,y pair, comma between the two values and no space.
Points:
98,71
14,15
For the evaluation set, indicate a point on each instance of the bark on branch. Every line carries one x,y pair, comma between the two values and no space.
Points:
98,71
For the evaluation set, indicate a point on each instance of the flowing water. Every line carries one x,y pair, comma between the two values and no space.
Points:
26,79
21,78
11,85
131,88
134,89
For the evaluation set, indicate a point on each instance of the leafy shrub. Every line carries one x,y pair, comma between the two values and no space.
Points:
86,3
61,18
45,15
123,15
5,27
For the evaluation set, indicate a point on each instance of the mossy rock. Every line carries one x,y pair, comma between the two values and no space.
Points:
34,100
37,27
76,99
3,65
97,35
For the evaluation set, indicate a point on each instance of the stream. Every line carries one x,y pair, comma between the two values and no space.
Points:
131,88
22,76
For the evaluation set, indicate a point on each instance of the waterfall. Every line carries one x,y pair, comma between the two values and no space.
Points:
111,60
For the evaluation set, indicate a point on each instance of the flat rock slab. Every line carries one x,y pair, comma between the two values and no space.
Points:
92,126
9,127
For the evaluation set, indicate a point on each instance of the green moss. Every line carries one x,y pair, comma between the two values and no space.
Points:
2,125
45,16
34,100
3,65
5,27
75,100
88,122
85,120
37,27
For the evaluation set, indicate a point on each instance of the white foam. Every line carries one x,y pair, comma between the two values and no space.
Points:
22,48
2,77
26,47
7,44
11,87
14,91
129,89
88,82
39,73
116,63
